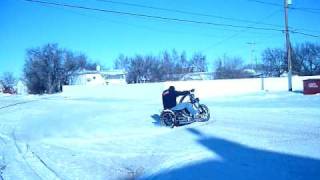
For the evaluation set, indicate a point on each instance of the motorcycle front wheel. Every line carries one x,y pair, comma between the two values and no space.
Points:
204,113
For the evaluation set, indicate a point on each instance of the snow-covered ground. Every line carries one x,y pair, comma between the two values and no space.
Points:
114,132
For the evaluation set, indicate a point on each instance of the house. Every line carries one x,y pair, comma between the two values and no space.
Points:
98,77
117,76
87,78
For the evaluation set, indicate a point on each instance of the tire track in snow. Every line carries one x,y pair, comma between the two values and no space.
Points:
18,103
31,163
2,162
46,165
13,157
15,154
38,165
26,102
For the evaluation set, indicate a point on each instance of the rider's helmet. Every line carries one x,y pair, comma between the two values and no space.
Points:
171,89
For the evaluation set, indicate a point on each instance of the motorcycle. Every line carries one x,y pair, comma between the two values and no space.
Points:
173,118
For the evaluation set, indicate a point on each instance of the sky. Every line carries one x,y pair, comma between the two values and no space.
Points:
221,28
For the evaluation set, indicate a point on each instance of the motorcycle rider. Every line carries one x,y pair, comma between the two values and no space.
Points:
169,101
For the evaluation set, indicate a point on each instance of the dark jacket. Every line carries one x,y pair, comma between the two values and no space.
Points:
169,98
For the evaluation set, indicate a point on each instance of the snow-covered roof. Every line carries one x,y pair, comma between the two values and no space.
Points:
113,72
104,72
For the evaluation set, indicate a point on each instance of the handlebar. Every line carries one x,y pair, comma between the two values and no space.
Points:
191,95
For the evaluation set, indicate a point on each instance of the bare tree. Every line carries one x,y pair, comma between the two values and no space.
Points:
229,68
307,59
71,64
43,69
47,68
274,63
8,81
183,65
122,62
169,65
199,62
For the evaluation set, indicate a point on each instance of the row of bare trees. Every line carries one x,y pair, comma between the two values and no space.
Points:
305,60
227,67
169,65
49,67
172,65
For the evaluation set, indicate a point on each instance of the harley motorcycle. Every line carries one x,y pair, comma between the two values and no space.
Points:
173,118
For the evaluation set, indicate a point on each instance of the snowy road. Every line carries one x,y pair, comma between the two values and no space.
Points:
264,135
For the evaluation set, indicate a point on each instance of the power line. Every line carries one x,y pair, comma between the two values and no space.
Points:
154,17
159,17
305,30
184,12
153,29
206,15
305,9
237,34
308,9
267,3
306,34
103,19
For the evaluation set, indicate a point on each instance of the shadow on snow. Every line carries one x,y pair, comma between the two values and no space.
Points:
241,162
156,118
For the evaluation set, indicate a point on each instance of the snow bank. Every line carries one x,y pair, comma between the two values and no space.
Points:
126,91
206,88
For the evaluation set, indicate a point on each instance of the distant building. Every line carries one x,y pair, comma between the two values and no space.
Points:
98,77
16,88
1,88
21,88
116,76
198,76
87,78
250,71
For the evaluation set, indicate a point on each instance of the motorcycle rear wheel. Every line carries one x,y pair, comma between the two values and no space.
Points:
167,118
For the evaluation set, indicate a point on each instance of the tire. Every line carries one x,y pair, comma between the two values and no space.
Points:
204,113
168,118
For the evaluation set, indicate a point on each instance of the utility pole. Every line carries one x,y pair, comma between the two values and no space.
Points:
252,44
288,44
